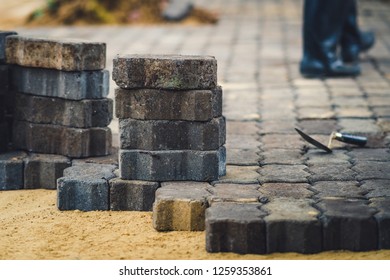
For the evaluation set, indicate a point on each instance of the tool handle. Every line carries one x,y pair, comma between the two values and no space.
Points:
351,139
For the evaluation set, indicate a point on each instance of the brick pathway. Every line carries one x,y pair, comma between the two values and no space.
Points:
303,199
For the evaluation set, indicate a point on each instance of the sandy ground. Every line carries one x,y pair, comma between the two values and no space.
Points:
31,227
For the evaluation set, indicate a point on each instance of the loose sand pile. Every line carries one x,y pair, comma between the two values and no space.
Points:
82,12
31,227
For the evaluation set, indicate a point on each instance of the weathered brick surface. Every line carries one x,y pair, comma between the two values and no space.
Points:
348,224
338,189
376,188
154,104
165,71
67,55
283,173
4,79
81,114
282,156
127,195
85,187
317,157
372,170
3,36
180,206
292,226
172,135
41,171
241,193
370,155
333,172
240,175
235,227
75,85
382,205
67,141
289,190
243,157
4,136
11,170
174,165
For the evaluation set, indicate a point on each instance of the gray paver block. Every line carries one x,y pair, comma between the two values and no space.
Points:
348,224
292,226
289,190
180,206
41,171
382,205
347,189
85,187
308,113
4,136
165,71
4,78
283,173
318,157
281,141
372,170
319,126
359,126
242,128
282,156
81,114
3,36
240,175
331,172
67,141
245,141
172,135
243,157
74,85
11,170
376,188
370,155
60,54
235,227
240,193
173,165
127,195
154,104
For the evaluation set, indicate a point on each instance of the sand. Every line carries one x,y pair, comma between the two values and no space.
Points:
32,228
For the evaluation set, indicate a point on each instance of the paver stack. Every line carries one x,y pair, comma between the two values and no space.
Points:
60,109
170,118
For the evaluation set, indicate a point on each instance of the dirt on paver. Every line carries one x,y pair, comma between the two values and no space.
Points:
31,227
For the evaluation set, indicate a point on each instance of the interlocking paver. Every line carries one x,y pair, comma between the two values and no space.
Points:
289,190
277,173
239,193
382,205
332,172
325,189
376,188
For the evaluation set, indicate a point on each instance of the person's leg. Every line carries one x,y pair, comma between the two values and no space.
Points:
323,23
354,41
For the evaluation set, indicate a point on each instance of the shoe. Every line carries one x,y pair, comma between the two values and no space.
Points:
351,53
316,69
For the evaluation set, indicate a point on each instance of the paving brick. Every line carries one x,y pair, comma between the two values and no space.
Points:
311,113
173,165
112,158
276,126
372,170
376,188
318,126
347,189
281,141
384,124
180,206
11,170
126,195
289,190
279,173
172,135
381,111
235,227
165,71
318,157
370,155
154,104
241,193
359,126
382,205
236,141
353,112
4,78
67,141
242,127
243,157
292,226
282,156
81,114
331,172
85,187
60,54
75,85
41,171
348,224
3,36
240,175
4,136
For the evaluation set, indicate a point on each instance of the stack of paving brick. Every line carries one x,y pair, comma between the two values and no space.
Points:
5,106
170,118
60,109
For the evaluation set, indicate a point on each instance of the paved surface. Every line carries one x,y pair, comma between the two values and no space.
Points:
258,48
